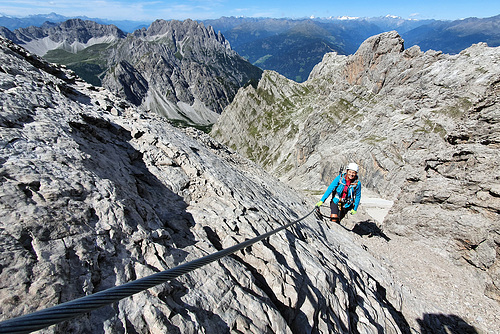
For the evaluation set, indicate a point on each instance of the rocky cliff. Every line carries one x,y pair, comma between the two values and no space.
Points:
95,193
423,127
186,71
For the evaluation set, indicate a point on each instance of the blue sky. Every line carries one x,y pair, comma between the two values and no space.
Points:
198,10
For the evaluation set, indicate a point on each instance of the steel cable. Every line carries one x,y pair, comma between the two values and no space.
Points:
68,310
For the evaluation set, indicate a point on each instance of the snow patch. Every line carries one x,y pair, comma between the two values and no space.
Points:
377,208
374,206
345,18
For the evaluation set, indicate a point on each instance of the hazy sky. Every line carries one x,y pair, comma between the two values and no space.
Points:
198,10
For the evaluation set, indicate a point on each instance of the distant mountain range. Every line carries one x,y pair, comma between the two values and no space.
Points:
453,37
292,47
13,23
182,70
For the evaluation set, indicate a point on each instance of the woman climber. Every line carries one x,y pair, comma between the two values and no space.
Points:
346,189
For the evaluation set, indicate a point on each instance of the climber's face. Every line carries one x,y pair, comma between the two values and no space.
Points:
351,175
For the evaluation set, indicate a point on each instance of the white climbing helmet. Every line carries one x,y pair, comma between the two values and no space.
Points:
353,166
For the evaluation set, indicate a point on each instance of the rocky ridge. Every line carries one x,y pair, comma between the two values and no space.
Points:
423,127
95,193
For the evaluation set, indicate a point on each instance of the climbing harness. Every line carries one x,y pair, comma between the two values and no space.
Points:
53,315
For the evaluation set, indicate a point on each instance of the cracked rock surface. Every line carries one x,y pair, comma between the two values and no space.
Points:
95,194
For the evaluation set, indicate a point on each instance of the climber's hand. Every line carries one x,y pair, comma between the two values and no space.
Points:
320,203
353,212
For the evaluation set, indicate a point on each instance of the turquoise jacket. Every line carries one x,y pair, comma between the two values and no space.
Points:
353,192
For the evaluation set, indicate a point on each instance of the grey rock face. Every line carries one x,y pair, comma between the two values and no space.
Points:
95,193
128,82
185,65
423,127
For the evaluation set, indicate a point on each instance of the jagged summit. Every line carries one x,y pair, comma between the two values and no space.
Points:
190,75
